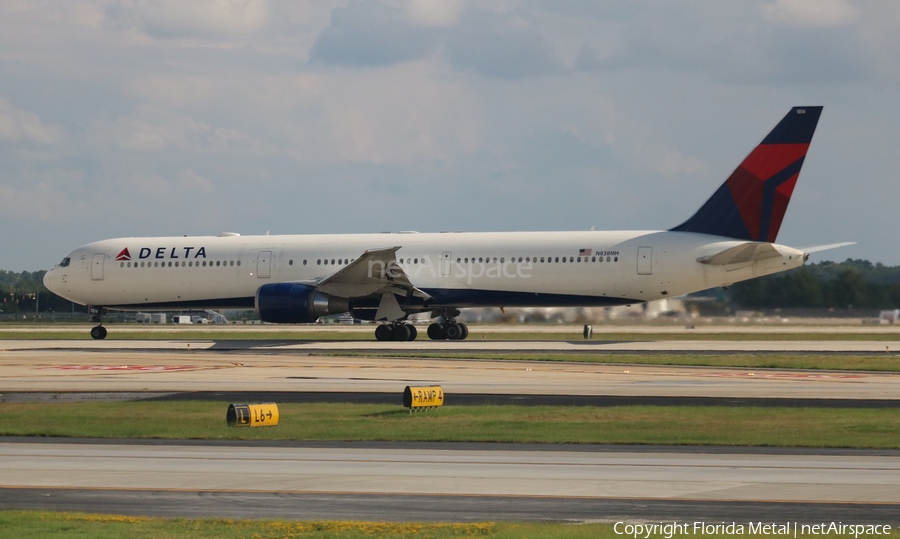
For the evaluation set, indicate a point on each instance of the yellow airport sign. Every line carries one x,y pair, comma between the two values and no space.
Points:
252,415
423,397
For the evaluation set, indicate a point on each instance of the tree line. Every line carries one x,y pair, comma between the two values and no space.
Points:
25,293
852,284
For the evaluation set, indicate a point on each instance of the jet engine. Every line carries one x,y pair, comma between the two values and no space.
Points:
289,303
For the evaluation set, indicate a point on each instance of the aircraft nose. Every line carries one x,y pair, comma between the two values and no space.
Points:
51,280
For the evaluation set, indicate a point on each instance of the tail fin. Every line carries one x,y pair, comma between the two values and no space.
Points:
751,203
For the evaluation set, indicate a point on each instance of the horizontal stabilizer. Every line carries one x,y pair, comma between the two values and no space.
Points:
746,252
817,248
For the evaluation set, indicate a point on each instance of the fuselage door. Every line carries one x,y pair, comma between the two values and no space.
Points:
264,265
445,263
97,266
645,261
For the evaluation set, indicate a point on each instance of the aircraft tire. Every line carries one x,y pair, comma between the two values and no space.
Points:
98,332
436,332
454,332
413,333
384,333
402,333
465,332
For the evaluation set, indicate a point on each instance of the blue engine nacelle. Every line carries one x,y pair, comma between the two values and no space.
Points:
289,303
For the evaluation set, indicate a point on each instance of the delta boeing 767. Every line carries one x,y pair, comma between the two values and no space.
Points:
387,277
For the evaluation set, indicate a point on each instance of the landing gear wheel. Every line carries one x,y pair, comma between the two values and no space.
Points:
454,332
465,331
384,333
413,333
436,332
402,332
98,332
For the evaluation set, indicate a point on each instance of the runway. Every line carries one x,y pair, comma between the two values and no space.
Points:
447,482
136,366
369,481
497,346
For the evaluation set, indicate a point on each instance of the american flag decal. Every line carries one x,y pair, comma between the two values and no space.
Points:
584,252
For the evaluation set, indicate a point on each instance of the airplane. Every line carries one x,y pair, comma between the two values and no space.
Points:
296,279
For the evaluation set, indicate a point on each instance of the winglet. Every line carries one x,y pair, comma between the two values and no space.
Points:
751,204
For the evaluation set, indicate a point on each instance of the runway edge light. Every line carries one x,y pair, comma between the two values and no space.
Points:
423,397
252,415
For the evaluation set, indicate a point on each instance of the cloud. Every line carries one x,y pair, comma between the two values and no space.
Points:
372,34
152,128
403,115
195,18
738,45
823,13
53,196
18,125
434,12
502,45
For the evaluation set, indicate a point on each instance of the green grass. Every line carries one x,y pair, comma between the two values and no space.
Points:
877,362
44,524
686,425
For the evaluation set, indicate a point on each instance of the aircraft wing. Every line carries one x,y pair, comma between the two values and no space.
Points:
375,272
745,252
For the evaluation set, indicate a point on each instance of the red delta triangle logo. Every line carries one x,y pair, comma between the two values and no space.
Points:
124,255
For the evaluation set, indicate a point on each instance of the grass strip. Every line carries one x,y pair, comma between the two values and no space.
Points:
680,425
876,362
126,333
45,524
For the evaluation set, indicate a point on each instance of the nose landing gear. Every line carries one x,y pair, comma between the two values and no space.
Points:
98,332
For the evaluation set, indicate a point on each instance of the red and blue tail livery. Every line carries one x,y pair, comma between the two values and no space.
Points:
750,205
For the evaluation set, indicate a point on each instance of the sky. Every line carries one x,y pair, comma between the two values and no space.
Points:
165,117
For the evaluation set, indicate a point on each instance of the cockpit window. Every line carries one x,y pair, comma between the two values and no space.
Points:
65,262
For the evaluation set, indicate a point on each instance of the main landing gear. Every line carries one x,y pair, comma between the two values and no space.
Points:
99,332
452,330
396,332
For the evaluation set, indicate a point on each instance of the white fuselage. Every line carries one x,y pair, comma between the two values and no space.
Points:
455,269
